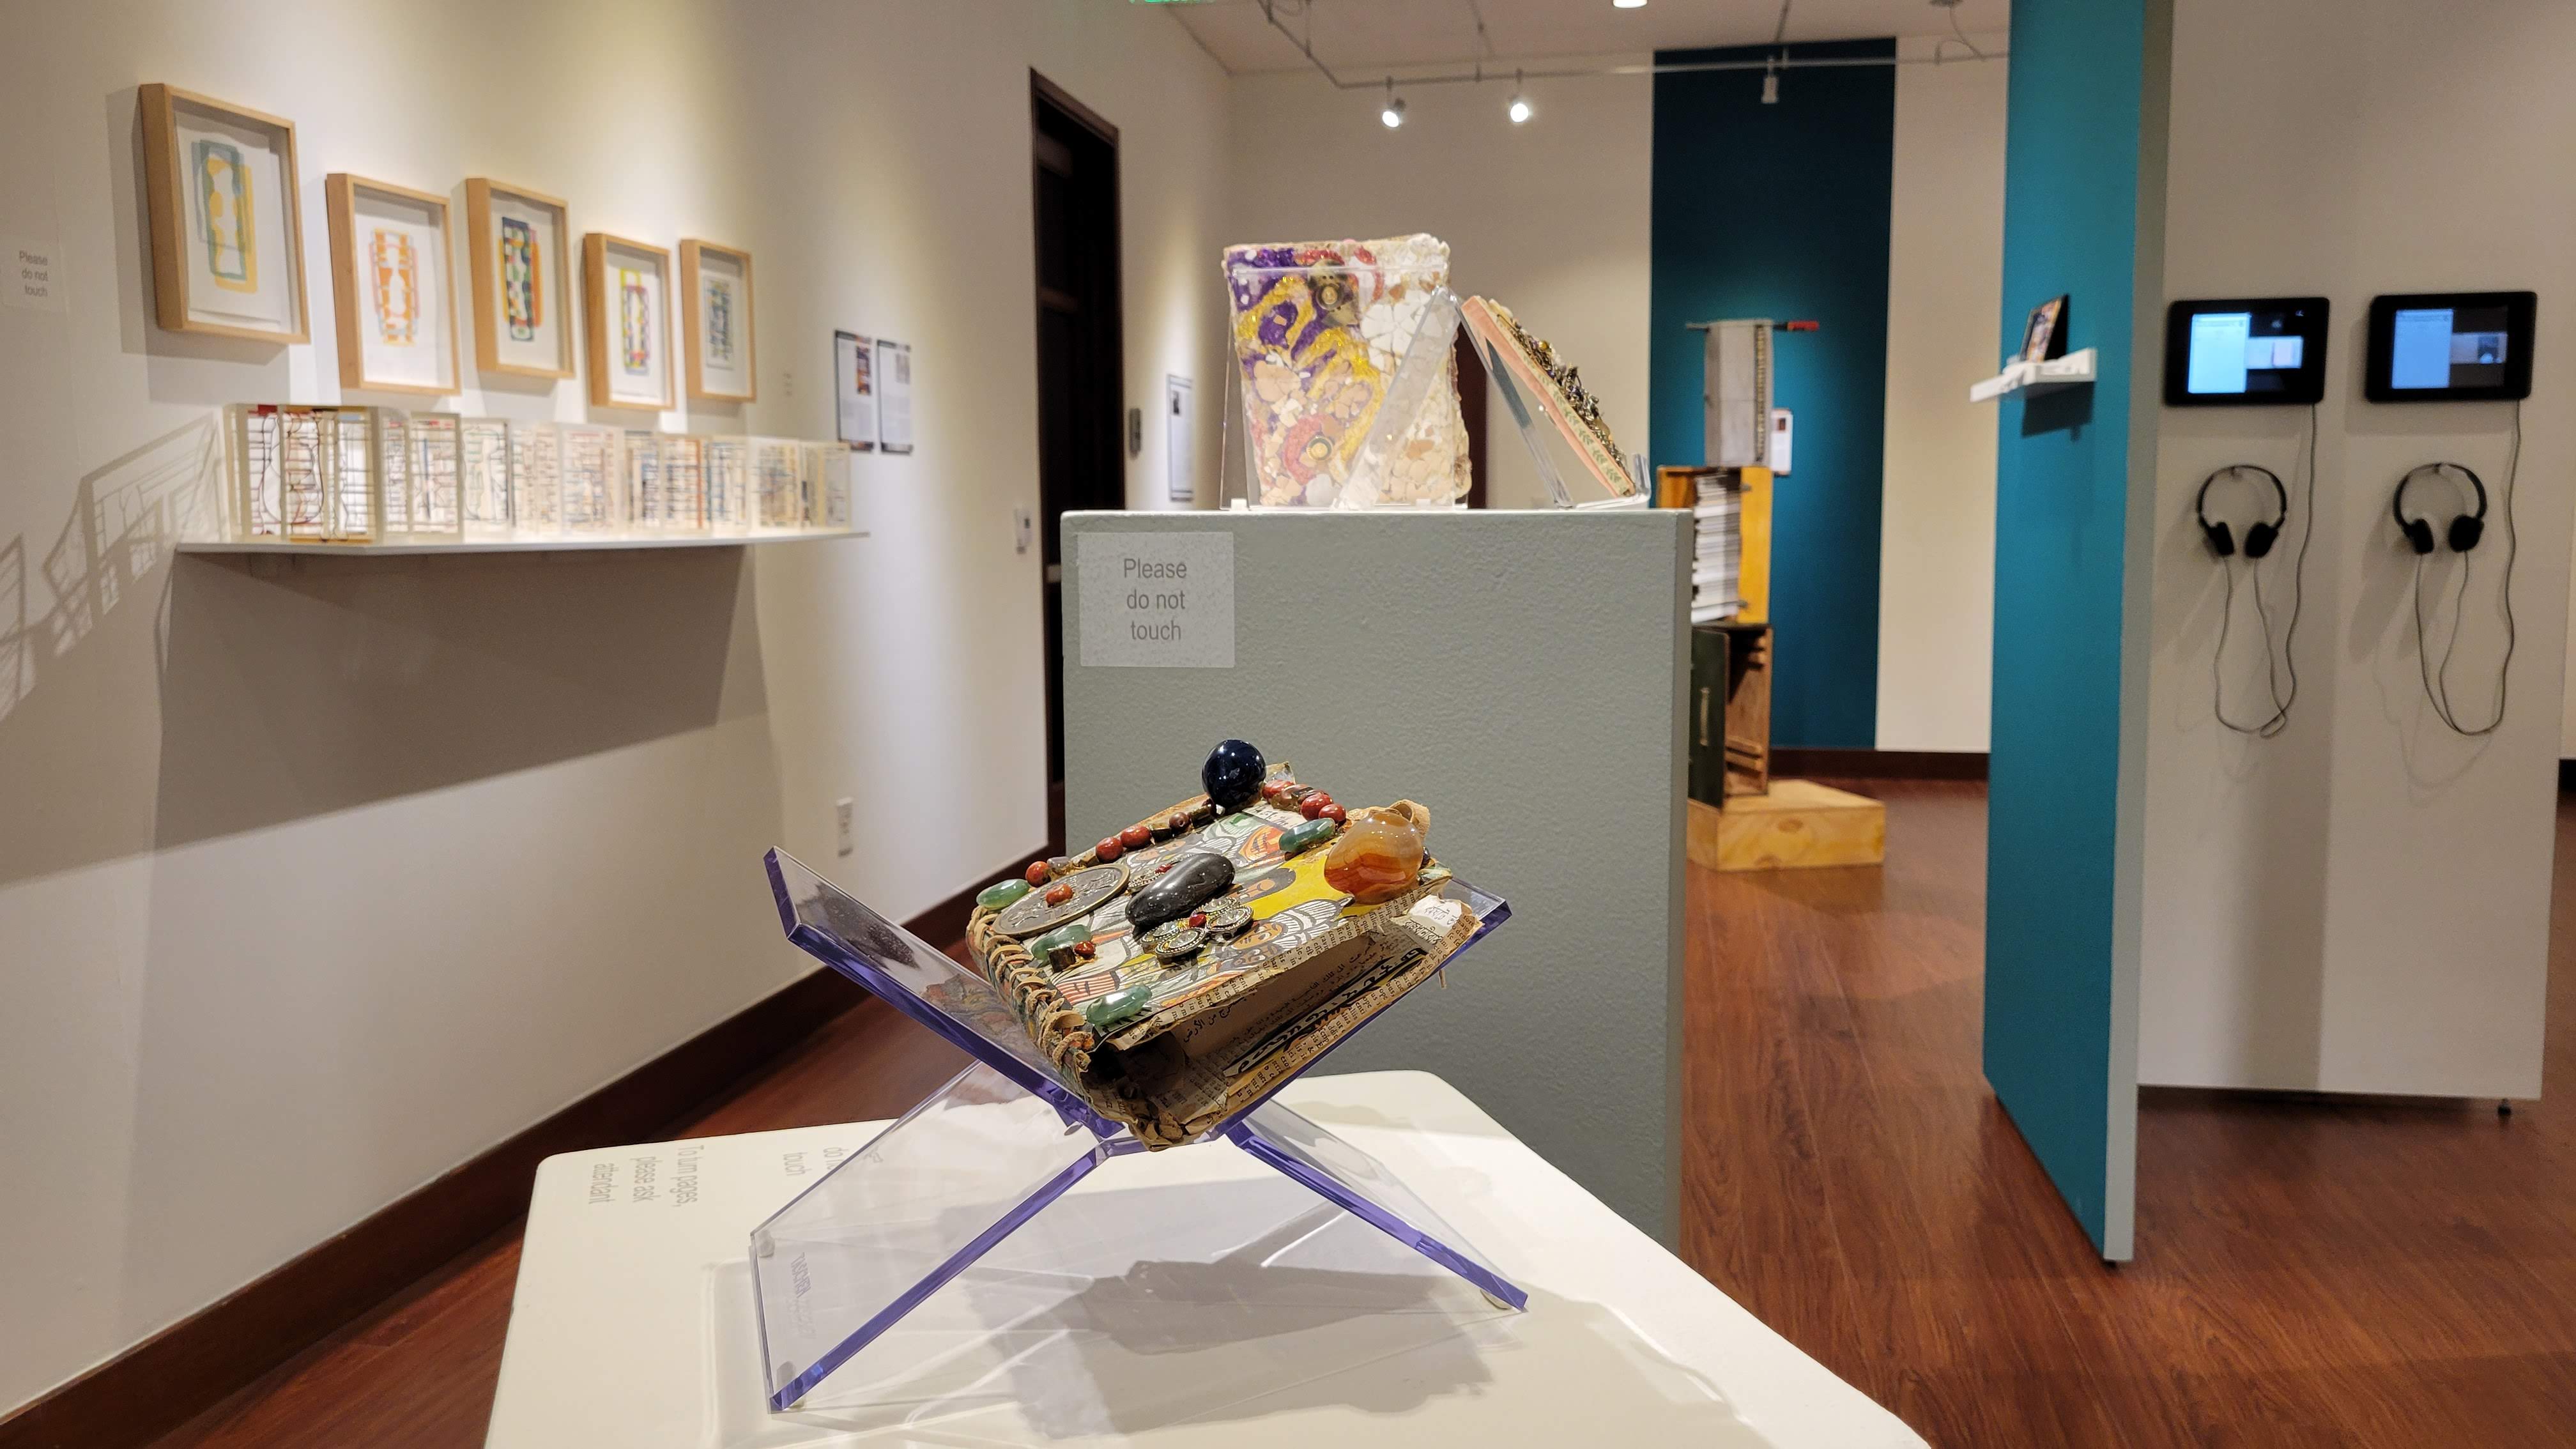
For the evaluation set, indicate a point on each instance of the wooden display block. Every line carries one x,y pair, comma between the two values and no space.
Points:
1796,823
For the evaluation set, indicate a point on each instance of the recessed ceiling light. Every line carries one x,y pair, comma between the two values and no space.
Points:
1629,4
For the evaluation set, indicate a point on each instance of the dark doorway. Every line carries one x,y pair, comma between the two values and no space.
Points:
1082,451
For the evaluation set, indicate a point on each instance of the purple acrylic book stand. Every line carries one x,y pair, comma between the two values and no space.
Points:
890,1224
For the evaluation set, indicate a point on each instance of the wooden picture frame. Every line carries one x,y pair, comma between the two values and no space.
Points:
369,283
699,320
639,322
232,282
526,300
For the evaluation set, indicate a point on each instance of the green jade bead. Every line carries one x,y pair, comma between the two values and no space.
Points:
1116,1007
1000,894
1305,834
1074,935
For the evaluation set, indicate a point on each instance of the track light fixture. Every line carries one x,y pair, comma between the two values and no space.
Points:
1392,115
1519,110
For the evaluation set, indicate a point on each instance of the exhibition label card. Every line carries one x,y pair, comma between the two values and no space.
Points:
1157,600
32,275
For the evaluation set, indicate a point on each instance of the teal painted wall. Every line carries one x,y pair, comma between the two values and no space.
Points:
1781,211
2054,829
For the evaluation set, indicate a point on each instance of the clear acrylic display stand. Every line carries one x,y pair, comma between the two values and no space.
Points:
880,1233
1539,436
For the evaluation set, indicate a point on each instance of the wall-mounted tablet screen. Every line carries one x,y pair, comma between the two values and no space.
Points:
2246,352
2450,346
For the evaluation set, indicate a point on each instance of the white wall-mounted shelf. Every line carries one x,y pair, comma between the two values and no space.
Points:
509,545
2075,369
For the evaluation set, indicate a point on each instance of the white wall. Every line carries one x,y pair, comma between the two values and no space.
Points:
266,972
2361,904
1936,574
1550,217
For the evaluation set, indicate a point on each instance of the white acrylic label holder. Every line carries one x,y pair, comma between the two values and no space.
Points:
881,1234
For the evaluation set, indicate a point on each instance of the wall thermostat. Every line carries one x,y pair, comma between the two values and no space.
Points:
2450,347
2246,352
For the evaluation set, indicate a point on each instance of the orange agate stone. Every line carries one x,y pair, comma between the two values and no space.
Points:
1378,855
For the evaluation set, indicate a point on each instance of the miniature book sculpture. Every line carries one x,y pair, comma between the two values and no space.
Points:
1511,351
1319,328
1179,970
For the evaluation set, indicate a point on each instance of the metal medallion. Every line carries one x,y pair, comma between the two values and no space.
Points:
1030,915
1224,918
1180,943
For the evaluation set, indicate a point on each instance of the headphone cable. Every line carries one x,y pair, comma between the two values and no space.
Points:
2279,719
2437,681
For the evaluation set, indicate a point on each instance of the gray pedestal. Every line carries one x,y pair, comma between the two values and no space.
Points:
1523,675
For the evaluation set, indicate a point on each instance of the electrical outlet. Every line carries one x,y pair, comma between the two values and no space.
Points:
841,816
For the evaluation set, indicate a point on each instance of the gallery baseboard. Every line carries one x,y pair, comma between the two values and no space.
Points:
178,1373
1878,764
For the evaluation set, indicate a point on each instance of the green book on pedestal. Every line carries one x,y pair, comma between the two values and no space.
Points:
1707,724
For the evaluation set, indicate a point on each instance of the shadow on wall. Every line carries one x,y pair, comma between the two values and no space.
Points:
271,689
76,678
296,686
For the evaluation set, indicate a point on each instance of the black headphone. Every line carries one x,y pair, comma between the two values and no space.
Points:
2259,538
2466,528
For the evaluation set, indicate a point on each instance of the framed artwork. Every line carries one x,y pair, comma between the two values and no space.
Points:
391,284
854,391
627,292
227,231
521,244
716,283
2044,335
894,396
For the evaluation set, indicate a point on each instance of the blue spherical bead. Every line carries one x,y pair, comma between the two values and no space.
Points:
1233,773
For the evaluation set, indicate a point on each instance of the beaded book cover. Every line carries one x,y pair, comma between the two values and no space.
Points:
1318,330
1184,966
1532,367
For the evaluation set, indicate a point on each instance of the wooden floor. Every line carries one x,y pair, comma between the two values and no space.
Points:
2308,1274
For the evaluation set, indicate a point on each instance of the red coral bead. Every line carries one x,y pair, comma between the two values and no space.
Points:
1333,813
1164,869
1312,807
1085,950
1036,874
1109,849
1198,918
1059,894
1135,836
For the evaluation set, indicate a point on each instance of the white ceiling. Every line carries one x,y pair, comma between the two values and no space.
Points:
1358,37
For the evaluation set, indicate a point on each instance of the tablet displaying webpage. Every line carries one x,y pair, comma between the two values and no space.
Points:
2236,353
2446,347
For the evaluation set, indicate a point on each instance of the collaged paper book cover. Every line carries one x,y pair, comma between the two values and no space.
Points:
1319,328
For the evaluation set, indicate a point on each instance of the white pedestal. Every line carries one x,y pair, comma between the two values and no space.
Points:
633,1323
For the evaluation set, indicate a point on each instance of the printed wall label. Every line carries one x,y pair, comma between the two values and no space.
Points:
33,278
1157,600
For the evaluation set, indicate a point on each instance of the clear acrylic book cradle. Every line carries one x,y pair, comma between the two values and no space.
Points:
894,1221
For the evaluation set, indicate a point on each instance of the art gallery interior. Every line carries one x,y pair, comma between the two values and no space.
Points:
1717,722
